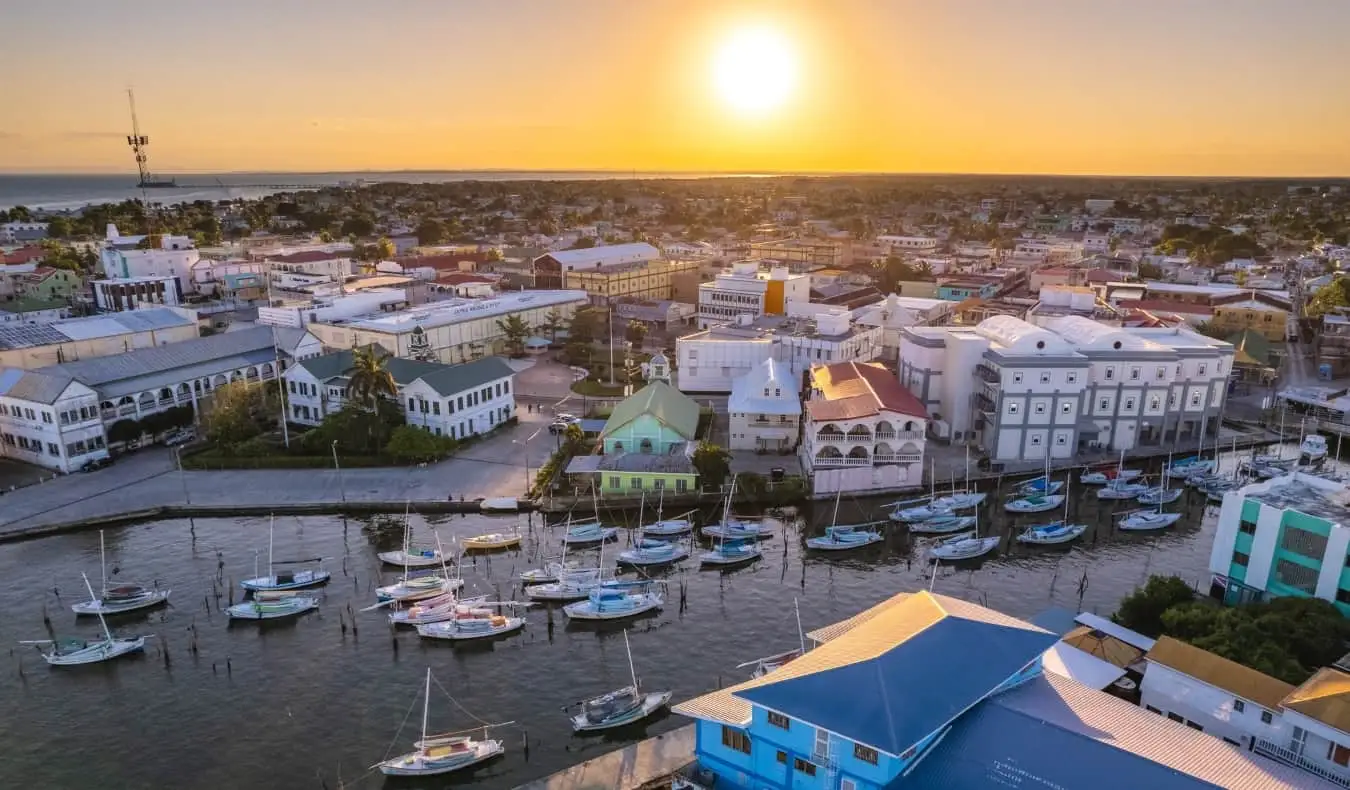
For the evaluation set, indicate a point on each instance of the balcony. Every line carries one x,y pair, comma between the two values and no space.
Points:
1328,772
987,374
820,462
898,458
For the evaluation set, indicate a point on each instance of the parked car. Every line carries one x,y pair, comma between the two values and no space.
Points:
562,423
180,437
94,464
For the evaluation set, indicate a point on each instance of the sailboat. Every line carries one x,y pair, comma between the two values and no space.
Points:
962,500
472,620
436,608
407,556
943,525
1036,502
572,585
1161,494
491,541
1038,486
1148,519
964,547
440,754
841,537
551,572
273,606
1055,532
648,552
767,664
664,528
290,580
615,602
590,531
622,706
72,652
121,597
417,588
739,551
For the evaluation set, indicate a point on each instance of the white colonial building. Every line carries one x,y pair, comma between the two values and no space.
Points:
745,290
765,408
895,313
1021,391
709,361
862,432
174,257
448,400
895,245
49,420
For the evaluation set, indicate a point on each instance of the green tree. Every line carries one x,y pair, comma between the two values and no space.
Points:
1150,271
238,412
124,431
552,324
370,379
430,231
384,249
583,243
325,237
516,331
712,463
1142,610
574,440
410,444
752,486
1330,296
581,333
358,226
209,227
1240,277
357,430
58,228
635,333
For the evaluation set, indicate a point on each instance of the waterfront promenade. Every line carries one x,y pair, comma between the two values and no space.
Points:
630,768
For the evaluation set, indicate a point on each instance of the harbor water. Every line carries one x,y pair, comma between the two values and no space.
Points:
316,701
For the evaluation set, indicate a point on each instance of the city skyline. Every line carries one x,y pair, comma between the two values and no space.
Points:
1192,88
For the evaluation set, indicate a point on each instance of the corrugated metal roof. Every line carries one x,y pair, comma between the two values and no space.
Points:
748,391
673,408
1325,697
31,385
122,323
1056,733
1114,629
611,253
1070,662
29,335
444,379
859,389
1219,672
876,684
141,362
1102,645
843,626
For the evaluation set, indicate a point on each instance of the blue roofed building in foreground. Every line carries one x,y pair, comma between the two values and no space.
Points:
927,691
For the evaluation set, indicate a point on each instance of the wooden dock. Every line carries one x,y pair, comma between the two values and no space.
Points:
630,768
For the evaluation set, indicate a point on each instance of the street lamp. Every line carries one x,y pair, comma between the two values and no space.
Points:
341,490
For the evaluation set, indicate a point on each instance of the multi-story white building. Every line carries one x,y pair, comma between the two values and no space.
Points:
745,290
175,257
302,312
765,409
862,430
709,361
135,293
448,400
450,331
894,313
49,420
895,245
1021,391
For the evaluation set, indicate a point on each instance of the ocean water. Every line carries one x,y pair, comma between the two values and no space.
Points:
71,191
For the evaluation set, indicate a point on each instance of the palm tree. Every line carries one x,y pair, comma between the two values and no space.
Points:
369,380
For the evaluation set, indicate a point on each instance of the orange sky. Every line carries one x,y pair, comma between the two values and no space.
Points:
1186,87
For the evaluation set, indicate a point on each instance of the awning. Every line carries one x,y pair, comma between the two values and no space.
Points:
776,435
1070,662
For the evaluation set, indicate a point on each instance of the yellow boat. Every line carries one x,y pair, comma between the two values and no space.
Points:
494,540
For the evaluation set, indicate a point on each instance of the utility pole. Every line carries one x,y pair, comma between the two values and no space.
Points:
281,389
611,345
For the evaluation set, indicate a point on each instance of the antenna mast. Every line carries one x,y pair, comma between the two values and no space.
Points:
138,142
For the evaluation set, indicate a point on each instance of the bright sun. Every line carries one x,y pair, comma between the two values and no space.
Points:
755,70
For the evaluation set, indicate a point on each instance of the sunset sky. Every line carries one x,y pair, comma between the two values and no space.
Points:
1185,87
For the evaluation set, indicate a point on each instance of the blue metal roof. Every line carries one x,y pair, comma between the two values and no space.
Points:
894,699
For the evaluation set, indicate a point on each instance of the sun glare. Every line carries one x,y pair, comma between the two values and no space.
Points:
755,70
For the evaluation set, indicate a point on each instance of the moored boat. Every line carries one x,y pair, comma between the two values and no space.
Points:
1313,450
285,580
272,609
620,707
612,602
471,621
491,541
1036,503
119,598
416,588
1144,520
432,610
74,652
1038,485
653,552
440,754
1121,490
844,537
1050,534
963,547
943,525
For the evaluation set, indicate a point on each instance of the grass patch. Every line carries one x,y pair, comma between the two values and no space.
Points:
596,389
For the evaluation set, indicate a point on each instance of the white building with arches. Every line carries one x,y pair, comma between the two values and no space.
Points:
59,416
863,431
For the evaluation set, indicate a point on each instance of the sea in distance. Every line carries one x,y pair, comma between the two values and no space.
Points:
62,192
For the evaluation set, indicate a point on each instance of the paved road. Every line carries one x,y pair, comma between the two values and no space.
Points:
494,467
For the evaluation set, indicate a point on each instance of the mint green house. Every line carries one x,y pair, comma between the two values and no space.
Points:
1289,536
654,420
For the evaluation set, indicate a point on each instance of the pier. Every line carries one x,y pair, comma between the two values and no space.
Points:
645,764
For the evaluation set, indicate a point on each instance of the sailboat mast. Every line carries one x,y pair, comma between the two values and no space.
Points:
445,574
660,502
968,466
932,479
834,520
801,637
407,538
1068,484
426,707
271,526
106,633
102,562
631,670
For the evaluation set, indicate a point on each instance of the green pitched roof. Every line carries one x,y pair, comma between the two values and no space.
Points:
668,405
445,379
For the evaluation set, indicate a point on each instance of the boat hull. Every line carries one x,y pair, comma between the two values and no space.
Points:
583,610
293,607
490,542
956,552
942,526
669,528
157,598
449,632
651,703
1047,503
401,560
717,559
826,544
1033,538
401,592
97,652
416,764
639,560
721,532
1148,525
301,581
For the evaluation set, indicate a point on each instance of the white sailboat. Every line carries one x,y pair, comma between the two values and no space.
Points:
839,537
1055,532
407,556
964,547
73,652
618,601
440,754
289,580
620,707
1162,494
572,585
473,621
1148,519
739,551
767,664
667,527
120,597
418,588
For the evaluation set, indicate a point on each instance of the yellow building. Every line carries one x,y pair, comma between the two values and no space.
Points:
617,273
800,255
1271,320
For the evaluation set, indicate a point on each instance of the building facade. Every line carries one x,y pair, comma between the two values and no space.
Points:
134,293
33,311
800,255
31,347
49,421
745,290
765,409
614,273
15,232
862,431
655,420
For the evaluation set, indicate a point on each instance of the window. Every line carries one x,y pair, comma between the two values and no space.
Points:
781,757
615,482
1134,374
847,784
412,404
52,449
1039,408
1066,408
866,754
779,720
798,764
1242,559
1071,377
777,392
1154,403
1202,368
1239,705
461,402
1129,404
735,739
1249,528
1012,408
1017,377
681,486
635,483
1174,717
1160,374
436,408
1104,404
1045,377
1336,753
1152,709
1036,440
822,747
1061,439
1195,399
1110,374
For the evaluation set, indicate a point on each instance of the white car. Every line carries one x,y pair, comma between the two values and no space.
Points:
562,423
180,437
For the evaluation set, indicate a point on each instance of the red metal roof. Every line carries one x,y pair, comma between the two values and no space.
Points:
445,261
309,256
26,255
853,389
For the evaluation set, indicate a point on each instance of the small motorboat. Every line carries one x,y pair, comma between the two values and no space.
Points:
963,547
943,525
736,529
414,558
272,609
416,588
491,541
439,754
1121,490
471,622
653,552
501,504
845,537
726,553
1051,534
608,602
1101,477
1036,503
589,534
670,527
1038,486
1143,520
432,610
1160,496
1313,451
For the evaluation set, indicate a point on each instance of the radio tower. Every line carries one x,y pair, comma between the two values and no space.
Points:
138,142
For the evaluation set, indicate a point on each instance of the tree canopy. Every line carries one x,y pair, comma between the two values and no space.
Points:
1330,296
896,270
1142,610
712,462
430,231
369,379
413,445
516,331
239,411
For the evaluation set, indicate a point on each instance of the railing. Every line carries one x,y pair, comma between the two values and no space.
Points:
885,435
840,460
914,435
987,374
1292,758
898,458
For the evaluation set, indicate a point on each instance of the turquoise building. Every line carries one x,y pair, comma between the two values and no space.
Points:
961,290
1284,537
654,420
925,691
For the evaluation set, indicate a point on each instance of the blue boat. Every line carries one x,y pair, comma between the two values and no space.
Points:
653,552
615,603
840,538
735,552
1038,486
734,529
589,534
1052,533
